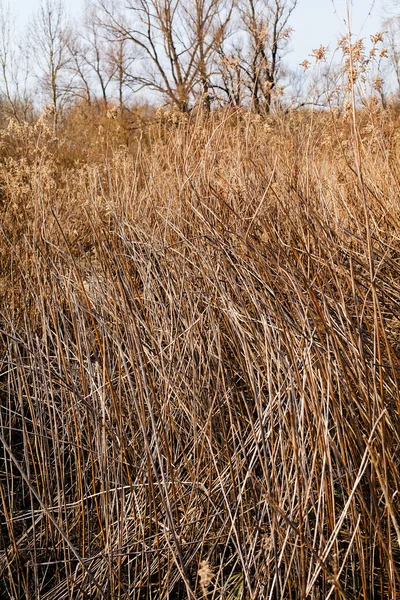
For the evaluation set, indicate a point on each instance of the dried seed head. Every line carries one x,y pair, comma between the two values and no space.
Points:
49,110
377,37
205,575
287,33
113,112
358,50
377,83
343,43
305,64
319,53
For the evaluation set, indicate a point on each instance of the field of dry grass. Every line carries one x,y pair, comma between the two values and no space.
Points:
200,359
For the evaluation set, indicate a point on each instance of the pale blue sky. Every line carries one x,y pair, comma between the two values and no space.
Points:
315,22
321,22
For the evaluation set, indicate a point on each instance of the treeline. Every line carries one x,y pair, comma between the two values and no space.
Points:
181,53
185,52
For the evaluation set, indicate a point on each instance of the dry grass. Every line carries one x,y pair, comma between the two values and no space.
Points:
199,365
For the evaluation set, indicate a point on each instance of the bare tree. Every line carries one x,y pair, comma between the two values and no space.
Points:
7,33
392,44
176,41
50,37
81,87
120,61
207,21
14,70
96,59
266,25
229,77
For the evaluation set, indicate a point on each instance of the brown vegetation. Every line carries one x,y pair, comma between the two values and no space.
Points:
200,357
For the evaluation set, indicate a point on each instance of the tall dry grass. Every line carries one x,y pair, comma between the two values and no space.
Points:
199,369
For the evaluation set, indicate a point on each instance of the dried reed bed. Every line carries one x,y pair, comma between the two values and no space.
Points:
199,369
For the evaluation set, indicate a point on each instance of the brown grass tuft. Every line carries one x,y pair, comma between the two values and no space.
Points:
196,363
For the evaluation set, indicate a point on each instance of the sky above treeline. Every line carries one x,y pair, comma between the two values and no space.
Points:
315,22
